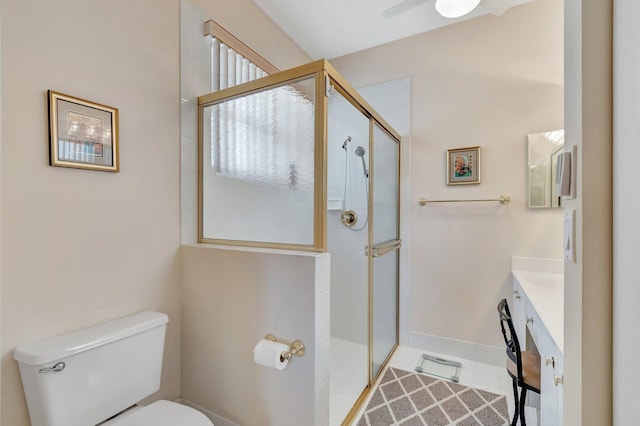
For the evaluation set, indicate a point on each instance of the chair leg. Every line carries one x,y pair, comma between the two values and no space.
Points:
516,405
523,397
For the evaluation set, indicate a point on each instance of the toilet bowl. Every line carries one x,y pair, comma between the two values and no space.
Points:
160,413
90,375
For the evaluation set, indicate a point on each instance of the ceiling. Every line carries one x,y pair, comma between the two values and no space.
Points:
332,28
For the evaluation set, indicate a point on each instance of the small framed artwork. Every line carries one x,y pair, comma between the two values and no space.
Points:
463,166
82,134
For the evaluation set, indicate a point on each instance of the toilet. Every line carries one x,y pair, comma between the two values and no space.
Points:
97,375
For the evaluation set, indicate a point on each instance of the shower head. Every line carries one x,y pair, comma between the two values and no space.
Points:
360,151
346,141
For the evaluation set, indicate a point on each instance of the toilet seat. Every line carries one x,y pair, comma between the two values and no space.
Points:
165,413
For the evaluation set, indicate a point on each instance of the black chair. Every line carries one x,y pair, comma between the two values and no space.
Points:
522,366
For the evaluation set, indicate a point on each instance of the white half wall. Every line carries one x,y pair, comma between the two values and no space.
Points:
232,298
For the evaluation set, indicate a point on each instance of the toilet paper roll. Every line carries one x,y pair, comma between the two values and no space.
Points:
269,353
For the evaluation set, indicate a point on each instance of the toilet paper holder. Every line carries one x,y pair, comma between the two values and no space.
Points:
296,348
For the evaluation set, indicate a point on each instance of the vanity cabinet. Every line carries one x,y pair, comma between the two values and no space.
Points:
525,319
537,313
533,326
519,311
550,377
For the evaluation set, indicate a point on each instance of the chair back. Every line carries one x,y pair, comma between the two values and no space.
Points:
510,336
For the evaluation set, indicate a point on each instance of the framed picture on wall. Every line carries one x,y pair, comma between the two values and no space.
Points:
463,166
82,134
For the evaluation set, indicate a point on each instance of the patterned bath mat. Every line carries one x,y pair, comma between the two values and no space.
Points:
410,399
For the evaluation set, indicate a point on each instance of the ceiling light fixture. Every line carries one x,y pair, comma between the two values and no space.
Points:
455,8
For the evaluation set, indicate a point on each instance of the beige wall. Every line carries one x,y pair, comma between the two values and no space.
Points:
82,246
489,81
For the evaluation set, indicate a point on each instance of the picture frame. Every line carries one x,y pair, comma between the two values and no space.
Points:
82,134
463,166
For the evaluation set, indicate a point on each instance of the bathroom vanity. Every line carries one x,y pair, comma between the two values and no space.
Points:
538,311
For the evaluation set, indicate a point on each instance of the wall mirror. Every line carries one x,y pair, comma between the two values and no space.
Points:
544,148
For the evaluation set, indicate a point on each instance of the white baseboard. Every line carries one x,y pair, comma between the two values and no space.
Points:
216,419
492,355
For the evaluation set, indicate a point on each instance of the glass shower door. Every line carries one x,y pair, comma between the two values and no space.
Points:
347,191
385,247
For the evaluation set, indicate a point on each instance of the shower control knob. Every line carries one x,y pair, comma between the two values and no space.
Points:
349,218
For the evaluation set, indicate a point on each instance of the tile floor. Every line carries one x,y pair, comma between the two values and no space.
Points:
474,374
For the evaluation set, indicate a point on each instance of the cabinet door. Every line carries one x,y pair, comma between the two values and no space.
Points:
533,326
550,357
560,387
519,312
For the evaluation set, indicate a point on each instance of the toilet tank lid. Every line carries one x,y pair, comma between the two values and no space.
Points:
54,348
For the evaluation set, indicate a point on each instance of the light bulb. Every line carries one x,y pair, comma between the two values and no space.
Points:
455,8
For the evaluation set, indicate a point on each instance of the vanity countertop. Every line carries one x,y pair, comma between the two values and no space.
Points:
545,291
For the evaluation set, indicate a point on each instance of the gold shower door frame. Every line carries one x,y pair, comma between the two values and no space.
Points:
326,78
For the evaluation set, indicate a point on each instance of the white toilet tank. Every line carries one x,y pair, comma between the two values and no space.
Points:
103,369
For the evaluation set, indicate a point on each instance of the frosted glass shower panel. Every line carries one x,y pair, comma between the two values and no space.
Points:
386,186
258,166
385,305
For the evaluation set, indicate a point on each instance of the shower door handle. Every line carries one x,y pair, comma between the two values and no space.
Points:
382,249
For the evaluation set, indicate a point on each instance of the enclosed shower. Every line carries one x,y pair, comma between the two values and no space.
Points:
300,161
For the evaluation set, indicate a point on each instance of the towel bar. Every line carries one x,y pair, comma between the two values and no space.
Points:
504,199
